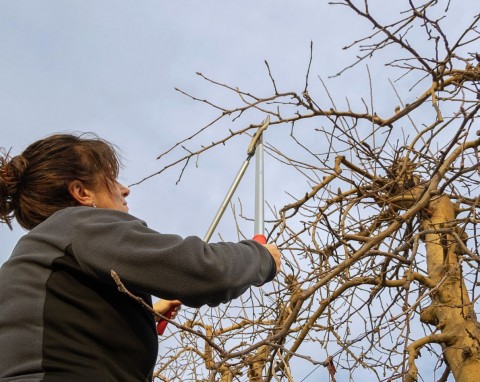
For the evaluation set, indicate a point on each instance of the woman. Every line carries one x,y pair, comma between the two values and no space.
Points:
62,317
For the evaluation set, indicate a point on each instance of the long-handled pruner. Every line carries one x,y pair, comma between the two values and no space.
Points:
255,146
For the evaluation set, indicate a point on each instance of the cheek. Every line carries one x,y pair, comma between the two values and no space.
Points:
107,201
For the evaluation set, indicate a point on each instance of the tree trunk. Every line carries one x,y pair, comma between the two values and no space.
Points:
451,310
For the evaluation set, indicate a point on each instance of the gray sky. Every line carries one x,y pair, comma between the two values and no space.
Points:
110,67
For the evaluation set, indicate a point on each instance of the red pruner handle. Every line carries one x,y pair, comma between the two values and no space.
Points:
162,324
260,239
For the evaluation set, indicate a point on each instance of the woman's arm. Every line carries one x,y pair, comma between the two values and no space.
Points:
166,266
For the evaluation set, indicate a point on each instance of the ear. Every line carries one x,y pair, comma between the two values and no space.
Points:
82,195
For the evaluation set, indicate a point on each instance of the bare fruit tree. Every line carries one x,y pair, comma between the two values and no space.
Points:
380,235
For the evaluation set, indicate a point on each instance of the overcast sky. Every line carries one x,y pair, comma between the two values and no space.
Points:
110,67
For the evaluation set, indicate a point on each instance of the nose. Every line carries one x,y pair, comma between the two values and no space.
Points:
124,190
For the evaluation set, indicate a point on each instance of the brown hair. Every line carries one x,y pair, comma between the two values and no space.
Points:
34,184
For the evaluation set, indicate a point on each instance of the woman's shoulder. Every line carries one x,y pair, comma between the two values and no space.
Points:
80,215
66,223
90,212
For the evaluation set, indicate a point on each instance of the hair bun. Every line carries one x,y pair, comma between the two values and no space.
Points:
17,167
11,176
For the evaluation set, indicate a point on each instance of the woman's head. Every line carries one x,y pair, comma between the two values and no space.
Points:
59,171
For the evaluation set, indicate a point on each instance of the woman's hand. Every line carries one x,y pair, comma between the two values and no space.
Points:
277,256
163,306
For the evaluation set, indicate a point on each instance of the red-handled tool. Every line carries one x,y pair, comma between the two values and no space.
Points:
256,146
162,324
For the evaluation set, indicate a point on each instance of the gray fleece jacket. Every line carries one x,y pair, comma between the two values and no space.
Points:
62,317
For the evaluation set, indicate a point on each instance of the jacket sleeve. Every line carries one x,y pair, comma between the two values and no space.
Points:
164,265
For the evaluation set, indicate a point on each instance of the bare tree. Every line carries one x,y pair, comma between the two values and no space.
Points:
381,245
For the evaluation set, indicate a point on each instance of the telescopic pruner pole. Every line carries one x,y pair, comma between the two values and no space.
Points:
259,225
